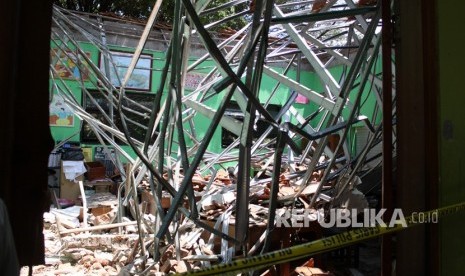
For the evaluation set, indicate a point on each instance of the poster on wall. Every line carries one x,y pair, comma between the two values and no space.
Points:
66,65
60,114
141,76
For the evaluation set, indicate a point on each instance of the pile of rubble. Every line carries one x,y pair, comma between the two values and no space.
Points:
84,253
115,254
101,241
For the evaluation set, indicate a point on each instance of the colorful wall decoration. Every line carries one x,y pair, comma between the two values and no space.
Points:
60,114
64,63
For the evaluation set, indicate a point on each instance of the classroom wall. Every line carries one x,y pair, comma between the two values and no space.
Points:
201,123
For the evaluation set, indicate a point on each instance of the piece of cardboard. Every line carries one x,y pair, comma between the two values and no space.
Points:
68,188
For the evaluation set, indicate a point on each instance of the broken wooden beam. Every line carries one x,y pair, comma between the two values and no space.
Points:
98,227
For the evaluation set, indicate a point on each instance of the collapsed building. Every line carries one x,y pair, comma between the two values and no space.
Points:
209,138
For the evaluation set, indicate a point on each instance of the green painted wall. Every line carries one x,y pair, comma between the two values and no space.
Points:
268,84
452,133
201,123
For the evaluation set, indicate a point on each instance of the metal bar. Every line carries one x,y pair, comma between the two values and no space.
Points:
322,16
274,191
176,90
220,46
191,170
227,122
283,110
209,134
220,7
322,72
312,95
330,130
345,91
226,19
243,178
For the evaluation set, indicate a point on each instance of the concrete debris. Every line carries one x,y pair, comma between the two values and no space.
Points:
101,249
105,215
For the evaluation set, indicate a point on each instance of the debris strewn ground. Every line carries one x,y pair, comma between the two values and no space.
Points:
107,243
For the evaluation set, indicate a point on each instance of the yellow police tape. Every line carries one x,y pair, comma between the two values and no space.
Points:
318,246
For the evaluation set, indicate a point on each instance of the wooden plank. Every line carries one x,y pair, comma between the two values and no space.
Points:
98,227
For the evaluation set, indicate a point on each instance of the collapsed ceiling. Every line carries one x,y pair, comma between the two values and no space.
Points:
311,161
